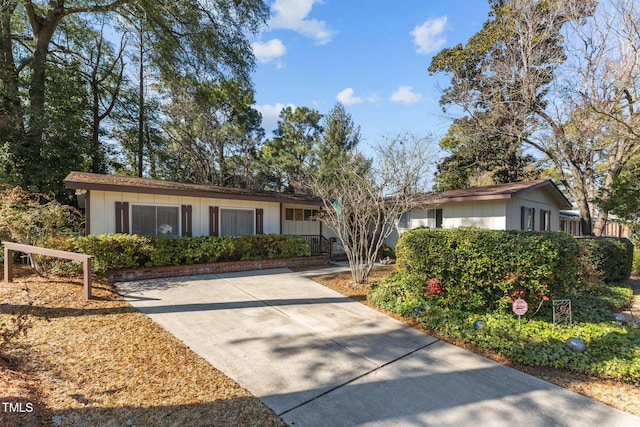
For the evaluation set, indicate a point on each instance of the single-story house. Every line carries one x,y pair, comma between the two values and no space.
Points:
530,205
122,204
570,223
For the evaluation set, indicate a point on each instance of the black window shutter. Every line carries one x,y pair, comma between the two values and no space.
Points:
122,217
213,221
259,221
187,229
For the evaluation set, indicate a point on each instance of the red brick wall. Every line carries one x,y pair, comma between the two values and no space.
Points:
126,275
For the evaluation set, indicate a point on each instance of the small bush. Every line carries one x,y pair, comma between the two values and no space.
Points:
268,246
114,251
606,258
37,220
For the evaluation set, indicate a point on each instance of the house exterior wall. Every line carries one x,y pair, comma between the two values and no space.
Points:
538,200
489,214
499,214
103,214
300,226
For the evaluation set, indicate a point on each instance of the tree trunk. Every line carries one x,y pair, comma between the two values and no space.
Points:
141,112
585,212
31,149
96,158
11,114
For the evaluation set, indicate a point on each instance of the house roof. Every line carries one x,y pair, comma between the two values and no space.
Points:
497,192
127,184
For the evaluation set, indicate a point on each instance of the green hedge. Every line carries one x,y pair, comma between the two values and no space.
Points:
117,251
479,269
609,257
636,254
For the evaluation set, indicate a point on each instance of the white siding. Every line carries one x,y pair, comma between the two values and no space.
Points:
538,200
490,214
102,214
299,227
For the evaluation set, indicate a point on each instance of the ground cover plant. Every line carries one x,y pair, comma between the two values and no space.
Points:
449,279
103,363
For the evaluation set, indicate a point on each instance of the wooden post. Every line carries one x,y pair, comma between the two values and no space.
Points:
86,267
8,265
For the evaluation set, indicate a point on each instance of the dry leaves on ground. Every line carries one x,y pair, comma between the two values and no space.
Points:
101,362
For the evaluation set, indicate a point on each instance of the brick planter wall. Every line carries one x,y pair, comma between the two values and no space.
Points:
144,273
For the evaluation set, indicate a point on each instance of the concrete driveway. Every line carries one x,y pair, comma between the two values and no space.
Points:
320,359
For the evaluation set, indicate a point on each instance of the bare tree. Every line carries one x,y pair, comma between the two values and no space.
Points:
362,201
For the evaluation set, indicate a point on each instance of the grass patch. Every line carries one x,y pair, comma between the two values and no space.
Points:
101,362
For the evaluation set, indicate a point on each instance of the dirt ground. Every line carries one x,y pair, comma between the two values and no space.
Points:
103,363
620,395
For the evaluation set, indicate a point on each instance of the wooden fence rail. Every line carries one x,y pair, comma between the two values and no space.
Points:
10,247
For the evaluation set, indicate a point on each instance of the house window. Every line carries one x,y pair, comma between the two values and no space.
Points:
405,220
155,220
236,222
291,214
545,220
527,219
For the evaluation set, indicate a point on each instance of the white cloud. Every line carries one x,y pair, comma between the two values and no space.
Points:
268,51
292,15
347,97
428,36
271,114
405,94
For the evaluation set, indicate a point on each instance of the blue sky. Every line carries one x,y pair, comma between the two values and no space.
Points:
372,55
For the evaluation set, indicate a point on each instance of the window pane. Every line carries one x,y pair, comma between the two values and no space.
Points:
245,222
299,214
528,219
228,222
405,220
236,222
308,214
289,214
167,218
143,220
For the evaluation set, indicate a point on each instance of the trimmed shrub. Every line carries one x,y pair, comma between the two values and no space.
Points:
117,251
268,246
480,270
636,254
114,251
607,258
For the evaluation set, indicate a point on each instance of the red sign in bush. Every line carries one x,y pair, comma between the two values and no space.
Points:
520,307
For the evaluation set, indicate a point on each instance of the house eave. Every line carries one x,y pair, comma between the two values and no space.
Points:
185,190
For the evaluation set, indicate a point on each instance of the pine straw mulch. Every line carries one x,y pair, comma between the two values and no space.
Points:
102,363
620,395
